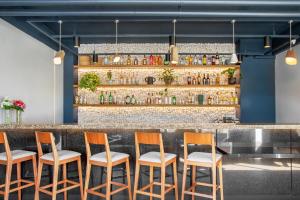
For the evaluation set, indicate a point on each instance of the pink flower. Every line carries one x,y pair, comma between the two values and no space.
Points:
19,105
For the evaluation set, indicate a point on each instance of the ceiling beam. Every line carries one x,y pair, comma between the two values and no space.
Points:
168,14
148,2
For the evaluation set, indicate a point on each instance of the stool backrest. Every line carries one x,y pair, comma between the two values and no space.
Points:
45,138
200,139
97,138
149,139
4,141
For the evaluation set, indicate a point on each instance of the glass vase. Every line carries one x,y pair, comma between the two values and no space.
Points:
18,117
7,116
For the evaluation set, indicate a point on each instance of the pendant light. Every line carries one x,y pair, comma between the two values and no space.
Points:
291,57
117,58
95,56
267,42
234,58
173,48
76,41
59,55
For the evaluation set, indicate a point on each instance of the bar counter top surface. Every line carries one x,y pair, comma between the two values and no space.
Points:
124,125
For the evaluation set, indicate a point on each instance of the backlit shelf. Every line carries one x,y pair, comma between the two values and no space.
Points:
158,105
124,67
166,86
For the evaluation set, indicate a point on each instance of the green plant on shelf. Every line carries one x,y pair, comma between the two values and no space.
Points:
167,76
89,81
230,72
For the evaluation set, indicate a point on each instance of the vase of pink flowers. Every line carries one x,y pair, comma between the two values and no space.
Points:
19,106
7,107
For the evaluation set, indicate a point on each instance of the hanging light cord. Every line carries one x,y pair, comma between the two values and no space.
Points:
174,31
233,48
117,21
60,22
290,22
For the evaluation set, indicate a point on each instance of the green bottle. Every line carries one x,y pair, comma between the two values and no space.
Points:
101,98
110,98
174,100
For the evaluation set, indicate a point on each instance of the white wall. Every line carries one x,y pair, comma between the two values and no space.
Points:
287,89
27,73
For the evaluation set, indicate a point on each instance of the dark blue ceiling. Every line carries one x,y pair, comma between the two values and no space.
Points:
150,20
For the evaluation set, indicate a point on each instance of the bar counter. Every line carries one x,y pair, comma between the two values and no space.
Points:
259,159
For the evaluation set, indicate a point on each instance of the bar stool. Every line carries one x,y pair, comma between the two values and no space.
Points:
154,159
56,159
9,158
201,159
107,159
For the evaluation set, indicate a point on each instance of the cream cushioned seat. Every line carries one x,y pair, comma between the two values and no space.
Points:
62,155
115,156
155,157
203,157
16,154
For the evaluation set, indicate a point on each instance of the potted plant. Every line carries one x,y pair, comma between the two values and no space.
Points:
230,73
89,81
19,106
167,76
7,106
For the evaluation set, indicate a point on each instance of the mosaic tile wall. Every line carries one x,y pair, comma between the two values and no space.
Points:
152,114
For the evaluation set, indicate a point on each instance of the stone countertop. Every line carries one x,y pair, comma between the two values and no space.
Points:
125,125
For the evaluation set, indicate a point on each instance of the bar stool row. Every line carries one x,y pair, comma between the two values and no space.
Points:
109,159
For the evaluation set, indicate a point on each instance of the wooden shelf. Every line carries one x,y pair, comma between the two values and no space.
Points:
166,86
124,67
158,105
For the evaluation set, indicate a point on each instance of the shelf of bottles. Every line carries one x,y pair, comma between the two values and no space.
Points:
134,81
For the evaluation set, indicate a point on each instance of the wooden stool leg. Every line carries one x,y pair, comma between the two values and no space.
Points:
38,181
193,181
175,179
87,179
108,182
163,181
55,180
34,169
221,180
183,180
80,177
136,179
19,180
7,181
128,179
151,180
65,178
214,176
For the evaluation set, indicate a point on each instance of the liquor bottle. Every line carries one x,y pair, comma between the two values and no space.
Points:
232,98
190,60
110,98
189,79
127,99
144,60
101,98
148,100
236,99
218,79
128,60
135,61
204,59
174,100
151,60
110,60
187,60
167,59
213,60
106,98
182,60
133,100
200,60
204,80
208,81
217,59
105,60
194,80
209,100
199,79
195,60
208,60
159,60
